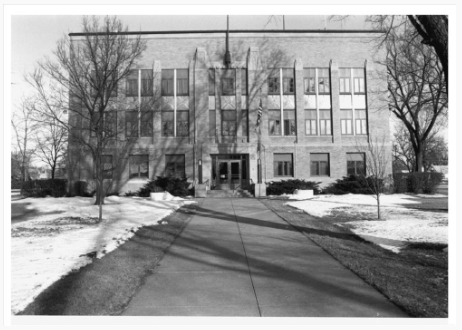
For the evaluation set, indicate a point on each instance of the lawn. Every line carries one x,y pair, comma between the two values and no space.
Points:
53,237
414,275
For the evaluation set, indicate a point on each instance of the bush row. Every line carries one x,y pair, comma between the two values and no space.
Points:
289,186
350,185
175,186
416,183
42,188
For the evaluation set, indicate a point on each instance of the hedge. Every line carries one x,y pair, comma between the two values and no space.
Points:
175,186
417,182
289,186
42,188
350,185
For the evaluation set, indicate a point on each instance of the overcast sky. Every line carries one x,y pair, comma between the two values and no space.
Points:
34,37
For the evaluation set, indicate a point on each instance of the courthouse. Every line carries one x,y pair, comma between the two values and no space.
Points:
237,108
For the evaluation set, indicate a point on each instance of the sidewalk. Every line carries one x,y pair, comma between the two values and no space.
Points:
237,258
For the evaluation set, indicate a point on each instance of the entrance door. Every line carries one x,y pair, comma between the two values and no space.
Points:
229,174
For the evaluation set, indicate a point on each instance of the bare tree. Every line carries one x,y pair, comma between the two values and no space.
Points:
51,142
432,30
24,126
416,89
378,159
83,79
434,150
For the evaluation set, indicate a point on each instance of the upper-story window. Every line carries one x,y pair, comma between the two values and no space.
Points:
228,82
358,81
167,82
309,80
288,81
146,82
243,82
323,81
182,82
211,82
145,76
344,79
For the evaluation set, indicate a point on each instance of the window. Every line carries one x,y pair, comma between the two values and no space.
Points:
132,83
323,81
319,164
211,82
274,122
94,124
288,83
212,124
324,122
167,123
344,77
106,163
310,122
361,122
146,123
175,166
244,122
182,83
147,83
131,124
274,84
346,122
228,82
110,124
283,165
138,166
228,118
243,82
309,78
227,86
289,122
356,164
358,81
167,82
182,123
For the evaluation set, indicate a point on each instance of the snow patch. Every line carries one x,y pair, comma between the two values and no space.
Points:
63,235
408,218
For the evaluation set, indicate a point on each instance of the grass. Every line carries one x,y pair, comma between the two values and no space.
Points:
106,286
416,279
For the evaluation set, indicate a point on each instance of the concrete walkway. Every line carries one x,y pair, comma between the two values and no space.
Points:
238,258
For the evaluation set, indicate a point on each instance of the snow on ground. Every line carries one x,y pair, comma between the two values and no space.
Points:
58,233
407,218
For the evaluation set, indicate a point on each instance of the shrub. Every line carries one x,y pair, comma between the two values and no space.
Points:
416,182
289,186
42,188
175,186
400,183
81,189
350,185
432,180
130,193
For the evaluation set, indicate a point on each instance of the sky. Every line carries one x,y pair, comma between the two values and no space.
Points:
34,37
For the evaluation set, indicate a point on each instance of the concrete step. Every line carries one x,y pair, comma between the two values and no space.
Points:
239,193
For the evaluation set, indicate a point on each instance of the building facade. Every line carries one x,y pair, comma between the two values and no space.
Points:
288,104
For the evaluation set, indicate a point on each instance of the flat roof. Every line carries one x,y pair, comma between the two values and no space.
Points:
80,34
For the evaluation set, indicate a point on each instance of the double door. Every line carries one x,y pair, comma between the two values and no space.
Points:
229,174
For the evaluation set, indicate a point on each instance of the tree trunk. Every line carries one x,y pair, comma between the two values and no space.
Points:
379,217
418,161
53,172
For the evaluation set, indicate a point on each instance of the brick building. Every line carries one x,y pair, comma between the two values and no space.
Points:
317,91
